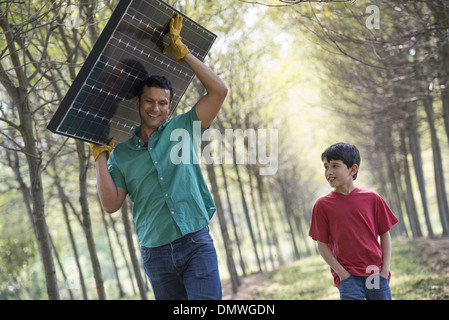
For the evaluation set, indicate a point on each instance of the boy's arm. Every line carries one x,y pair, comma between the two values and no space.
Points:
329,257
385,243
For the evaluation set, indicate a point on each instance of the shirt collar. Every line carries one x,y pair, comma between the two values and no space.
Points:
139,142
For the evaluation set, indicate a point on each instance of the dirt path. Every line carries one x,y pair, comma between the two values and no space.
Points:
250,285
435,252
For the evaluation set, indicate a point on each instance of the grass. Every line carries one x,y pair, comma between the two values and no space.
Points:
413,278
310,279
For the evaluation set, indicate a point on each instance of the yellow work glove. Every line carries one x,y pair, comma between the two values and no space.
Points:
176,47
99,148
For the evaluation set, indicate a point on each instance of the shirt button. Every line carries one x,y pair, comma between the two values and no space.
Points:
166,195
155,162
162,178
172,212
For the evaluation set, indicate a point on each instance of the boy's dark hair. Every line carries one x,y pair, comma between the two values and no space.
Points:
157,82
345,152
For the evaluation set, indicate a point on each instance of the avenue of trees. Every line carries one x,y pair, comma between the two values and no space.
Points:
374,73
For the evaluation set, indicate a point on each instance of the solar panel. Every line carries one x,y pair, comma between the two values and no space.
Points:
100,103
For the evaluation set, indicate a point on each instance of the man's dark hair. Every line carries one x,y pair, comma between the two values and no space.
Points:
345,152
157,82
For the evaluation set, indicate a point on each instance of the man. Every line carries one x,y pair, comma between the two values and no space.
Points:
172,204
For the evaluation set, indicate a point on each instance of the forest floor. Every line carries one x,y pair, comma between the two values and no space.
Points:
420,271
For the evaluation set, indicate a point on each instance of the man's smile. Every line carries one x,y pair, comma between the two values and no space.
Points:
152,115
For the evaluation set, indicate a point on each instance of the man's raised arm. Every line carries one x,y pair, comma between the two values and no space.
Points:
208,106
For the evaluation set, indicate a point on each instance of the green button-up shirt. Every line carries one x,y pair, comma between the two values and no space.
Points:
164,180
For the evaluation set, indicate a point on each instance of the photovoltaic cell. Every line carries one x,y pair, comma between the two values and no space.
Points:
101,103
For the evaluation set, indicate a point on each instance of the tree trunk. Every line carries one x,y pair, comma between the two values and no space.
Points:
394,178
37,192
14,164
132,252
19,96
121,293
246,212
438,167
122,251
234,226
288,209
410,199
440,12
257,216
63,198
61,267
224,229
266,205
262,213
87,223
415,150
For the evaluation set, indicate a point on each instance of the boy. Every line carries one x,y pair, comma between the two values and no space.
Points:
346,224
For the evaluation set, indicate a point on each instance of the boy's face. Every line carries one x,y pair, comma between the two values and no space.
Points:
339,175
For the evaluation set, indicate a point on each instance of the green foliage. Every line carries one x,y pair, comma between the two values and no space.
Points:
17,250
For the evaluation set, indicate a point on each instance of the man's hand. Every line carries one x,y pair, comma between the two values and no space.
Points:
97,149
176,47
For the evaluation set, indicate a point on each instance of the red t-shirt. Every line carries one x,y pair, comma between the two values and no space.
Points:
350,225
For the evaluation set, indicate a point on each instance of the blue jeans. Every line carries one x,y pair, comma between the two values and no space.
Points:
359,288
184,269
